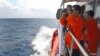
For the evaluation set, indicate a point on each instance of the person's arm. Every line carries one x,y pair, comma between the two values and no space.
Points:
68,21
84,32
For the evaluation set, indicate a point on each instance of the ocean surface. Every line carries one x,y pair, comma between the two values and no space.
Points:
17,34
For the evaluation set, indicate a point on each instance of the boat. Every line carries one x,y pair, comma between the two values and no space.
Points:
58,44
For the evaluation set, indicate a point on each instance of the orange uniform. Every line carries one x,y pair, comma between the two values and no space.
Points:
76,24
92,34
62,21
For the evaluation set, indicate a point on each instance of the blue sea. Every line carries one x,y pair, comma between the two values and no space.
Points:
17,34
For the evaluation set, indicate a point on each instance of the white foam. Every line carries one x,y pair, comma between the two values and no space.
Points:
42,41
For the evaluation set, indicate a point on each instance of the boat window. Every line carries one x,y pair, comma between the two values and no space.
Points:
98,11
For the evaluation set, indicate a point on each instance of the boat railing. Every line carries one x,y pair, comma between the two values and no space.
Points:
78,44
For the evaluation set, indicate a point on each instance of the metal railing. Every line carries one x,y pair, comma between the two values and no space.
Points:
78,44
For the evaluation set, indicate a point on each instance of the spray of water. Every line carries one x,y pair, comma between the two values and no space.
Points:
42,41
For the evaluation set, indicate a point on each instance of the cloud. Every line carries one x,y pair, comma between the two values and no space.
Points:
5,3
28,8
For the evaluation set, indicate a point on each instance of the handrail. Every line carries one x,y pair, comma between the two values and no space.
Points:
78,44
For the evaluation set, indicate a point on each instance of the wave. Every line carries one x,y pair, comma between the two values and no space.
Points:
42,41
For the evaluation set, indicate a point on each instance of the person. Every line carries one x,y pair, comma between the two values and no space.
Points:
59,13
92,32
83,7
64,16
55,38
61,35
69,9
75,24
62,31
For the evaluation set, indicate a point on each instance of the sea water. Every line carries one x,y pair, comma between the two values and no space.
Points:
16,35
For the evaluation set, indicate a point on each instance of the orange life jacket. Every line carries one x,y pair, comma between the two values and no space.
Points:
92,34
76,24
62,21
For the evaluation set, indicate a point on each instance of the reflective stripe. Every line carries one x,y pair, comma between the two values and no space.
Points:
93,54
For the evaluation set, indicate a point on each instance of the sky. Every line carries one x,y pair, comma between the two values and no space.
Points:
29,8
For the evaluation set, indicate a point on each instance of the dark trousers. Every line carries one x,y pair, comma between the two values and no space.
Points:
76,52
